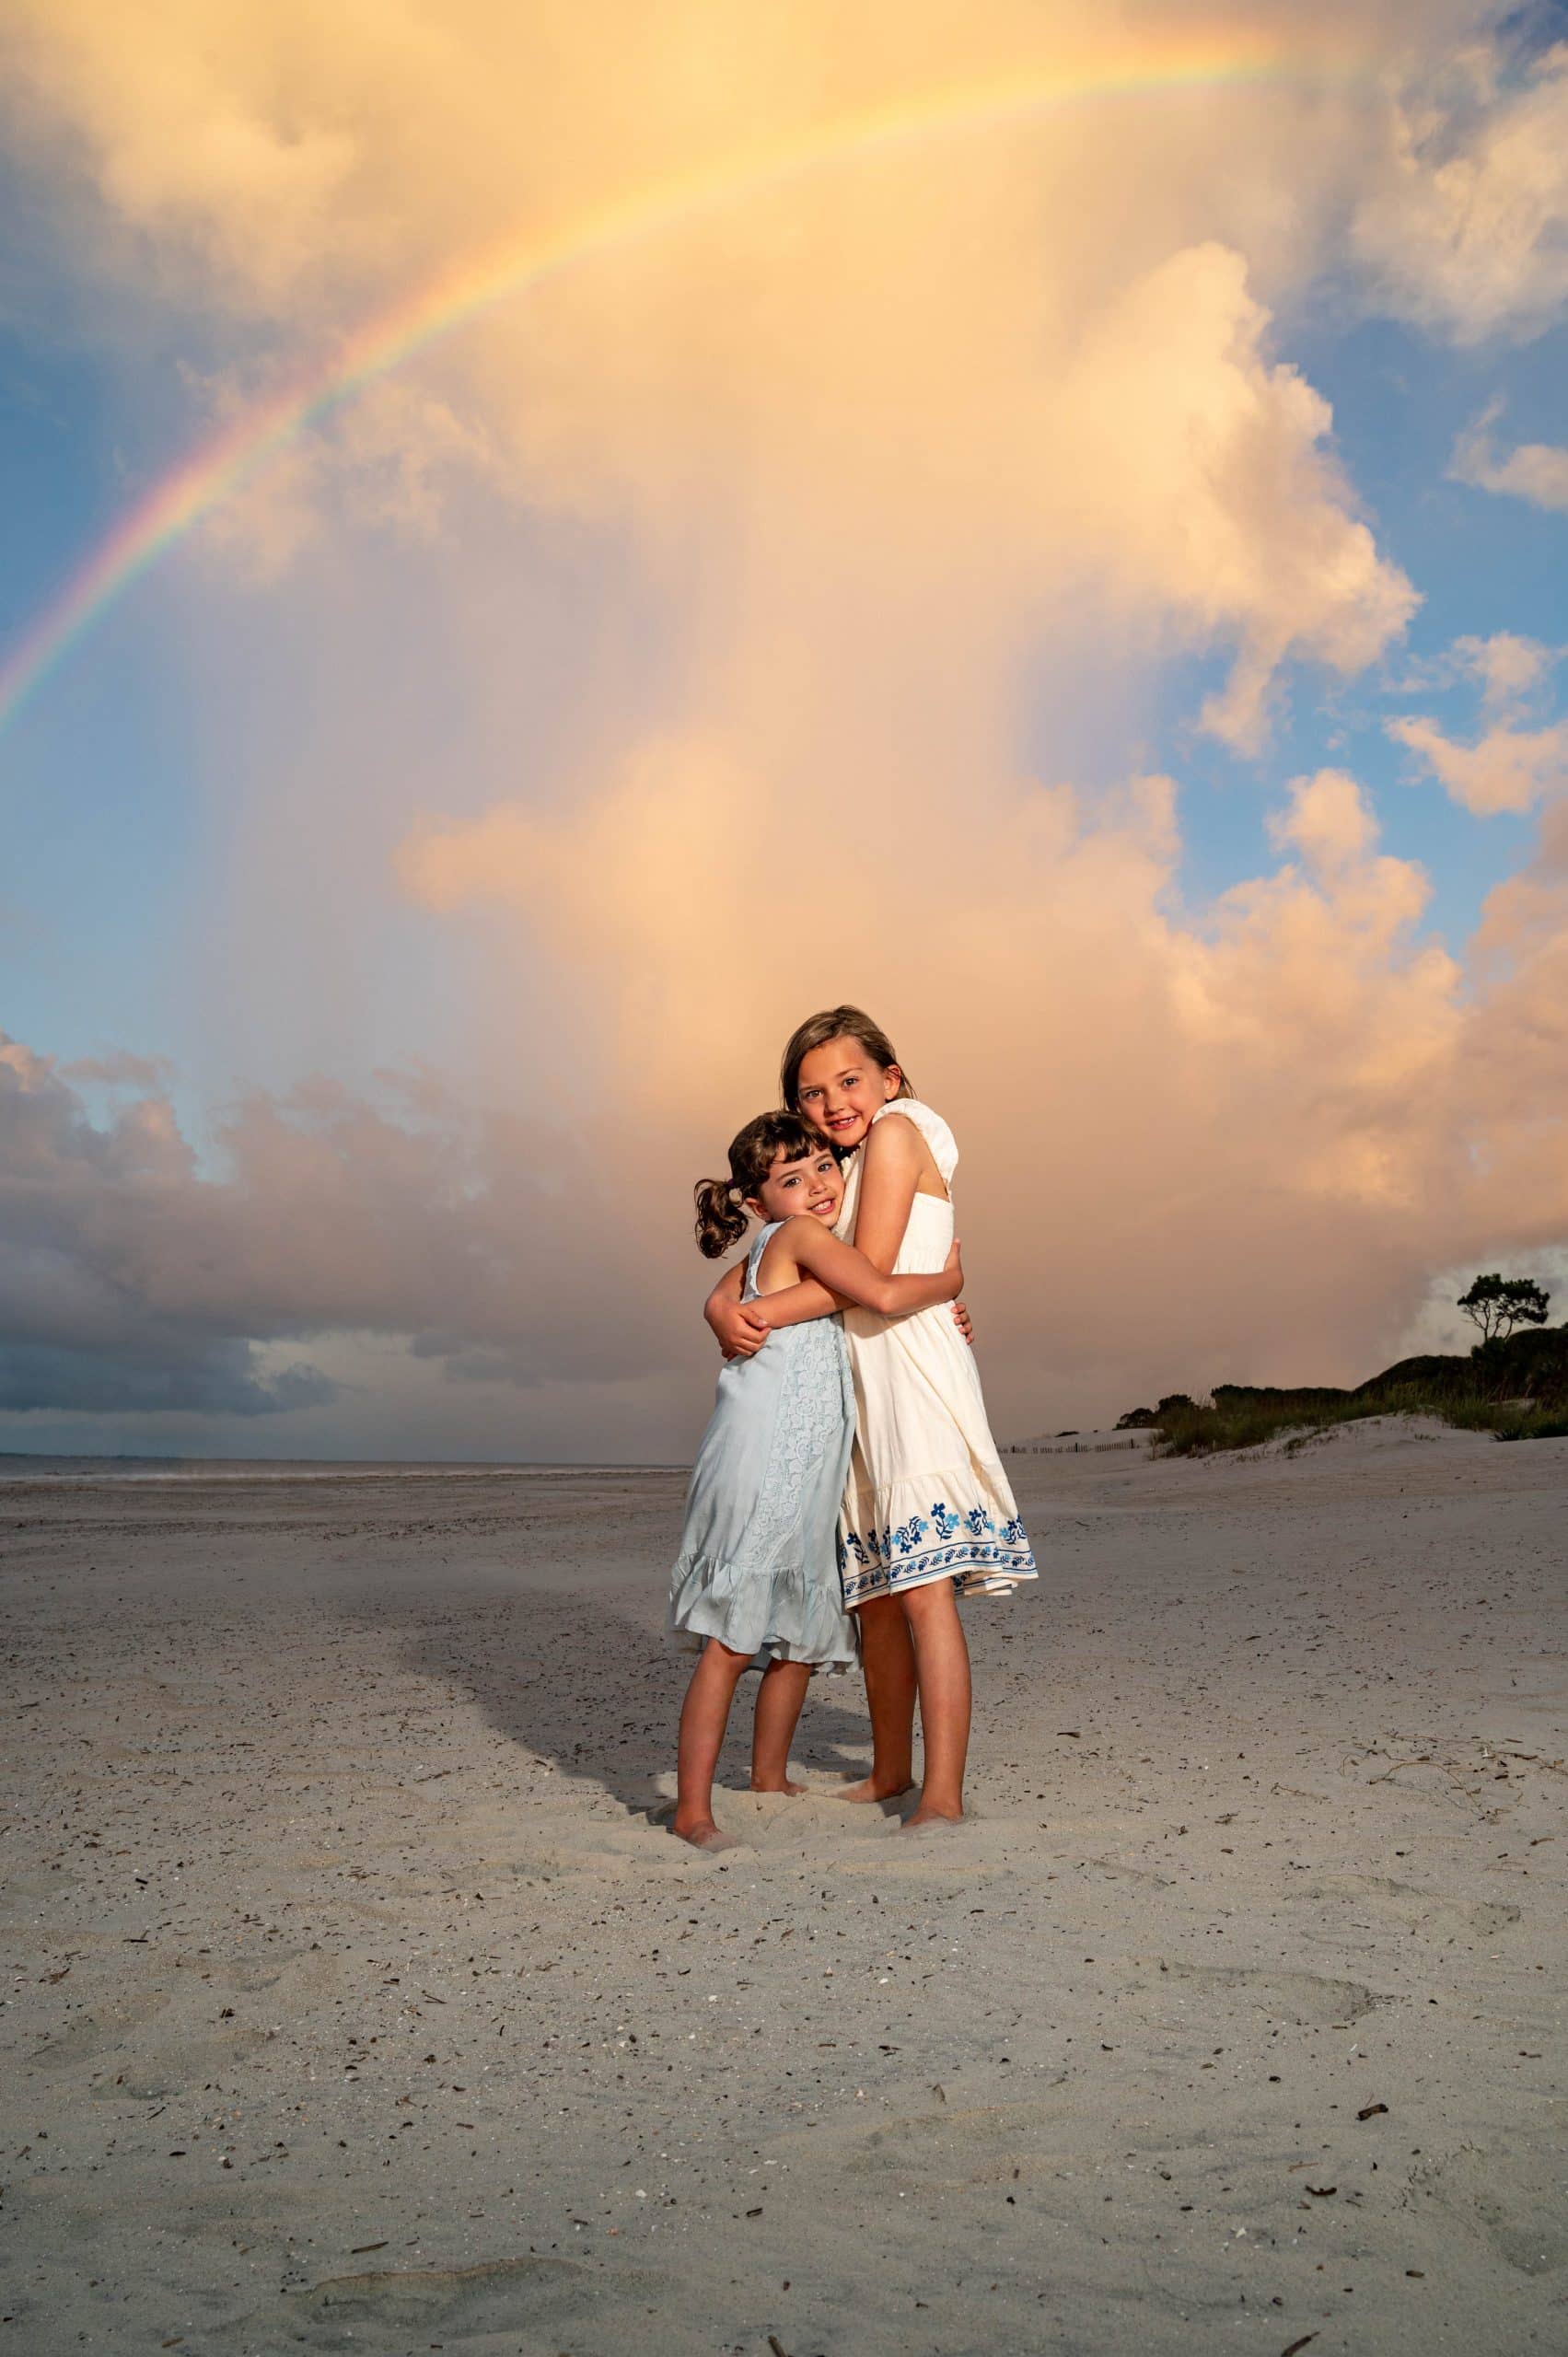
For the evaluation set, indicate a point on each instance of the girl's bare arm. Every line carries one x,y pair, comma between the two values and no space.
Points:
848,1273
737,1328
796,1304
894,1159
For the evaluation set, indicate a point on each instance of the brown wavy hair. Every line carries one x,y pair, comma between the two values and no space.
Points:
836,1023
721,1218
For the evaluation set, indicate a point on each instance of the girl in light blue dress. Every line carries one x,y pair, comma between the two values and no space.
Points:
758,1567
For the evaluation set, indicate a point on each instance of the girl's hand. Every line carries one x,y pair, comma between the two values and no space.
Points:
961,1320
953,1270
740,1328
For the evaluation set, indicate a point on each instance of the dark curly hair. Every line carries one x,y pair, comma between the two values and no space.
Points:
721,1215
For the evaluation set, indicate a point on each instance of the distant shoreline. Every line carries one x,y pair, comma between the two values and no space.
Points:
17,1464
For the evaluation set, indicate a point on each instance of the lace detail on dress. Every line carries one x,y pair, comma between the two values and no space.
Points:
816,1398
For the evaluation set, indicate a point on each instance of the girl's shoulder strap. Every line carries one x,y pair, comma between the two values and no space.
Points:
758,1246
933,1129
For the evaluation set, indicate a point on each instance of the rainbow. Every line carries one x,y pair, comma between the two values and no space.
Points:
516,265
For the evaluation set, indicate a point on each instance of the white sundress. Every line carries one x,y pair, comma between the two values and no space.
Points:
926,1498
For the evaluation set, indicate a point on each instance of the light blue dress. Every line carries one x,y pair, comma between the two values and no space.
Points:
757,1567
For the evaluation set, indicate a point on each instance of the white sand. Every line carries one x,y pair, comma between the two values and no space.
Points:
356,2004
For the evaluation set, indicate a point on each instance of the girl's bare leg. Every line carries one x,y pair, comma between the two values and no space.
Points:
942,1666
703,1718
779,1701
887,1657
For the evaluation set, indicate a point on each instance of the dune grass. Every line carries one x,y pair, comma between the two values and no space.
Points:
1206,1427
1509,1419
1514,1386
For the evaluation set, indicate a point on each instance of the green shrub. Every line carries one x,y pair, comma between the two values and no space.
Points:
1515,1386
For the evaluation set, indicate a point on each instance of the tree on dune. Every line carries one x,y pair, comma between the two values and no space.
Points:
1498,1304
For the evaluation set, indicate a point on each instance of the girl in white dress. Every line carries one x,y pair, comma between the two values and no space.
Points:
928,1512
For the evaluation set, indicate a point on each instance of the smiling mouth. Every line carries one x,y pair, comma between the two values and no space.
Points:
841,1121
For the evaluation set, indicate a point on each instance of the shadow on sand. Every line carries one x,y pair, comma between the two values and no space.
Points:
598,1693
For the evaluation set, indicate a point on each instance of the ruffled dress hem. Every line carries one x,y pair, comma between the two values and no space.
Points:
743,1608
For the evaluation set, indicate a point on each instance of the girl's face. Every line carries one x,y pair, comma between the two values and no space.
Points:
843,1089
813,1185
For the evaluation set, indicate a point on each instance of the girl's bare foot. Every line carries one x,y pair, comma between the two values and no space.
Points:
705,1835
783,1785
925,1819
869,1789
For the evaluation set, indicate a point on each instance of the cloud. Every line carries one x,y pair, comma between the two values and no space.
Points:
929,347
391,461
132,1281
162,1371
1207,487
1509,667
878,501
1297,1061
1515,1057
1506,769
1537,471
190,135
1328,820
1294,1062
120,1070
1467,230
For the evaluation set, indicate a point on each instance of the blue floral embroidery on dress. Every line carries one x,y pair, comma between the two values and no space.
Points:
848,1540
876,1571
966,1544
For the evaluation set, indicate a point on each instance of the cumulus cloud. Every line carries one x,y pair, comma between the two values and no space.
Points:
1536,471
1327,820
932,349
1294,1062
1298,1061
390,461
1467,230
189,134
1206,486
1506,769
917,459
1509,669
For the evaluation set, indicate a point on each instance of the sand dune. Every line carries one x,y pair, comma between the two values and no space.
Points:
360,2000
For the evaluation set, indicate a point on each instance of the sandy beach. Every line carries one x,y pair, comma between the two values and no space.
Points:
357,1998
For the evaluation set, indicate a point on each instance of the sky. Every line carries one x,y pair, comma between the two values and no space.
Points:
544,545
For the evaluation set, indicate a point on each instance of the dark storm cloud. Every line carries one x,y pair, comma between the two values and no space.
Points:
132,1279
164,1370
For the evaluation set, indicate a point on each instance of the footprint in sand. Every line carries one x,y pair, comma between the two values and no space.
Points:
382,2309
947,2143
1416,1910
107,2030
1512,2198
1307,2000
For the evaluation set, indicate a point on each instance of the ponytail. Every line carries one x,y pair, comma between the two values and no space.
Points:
720,1220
